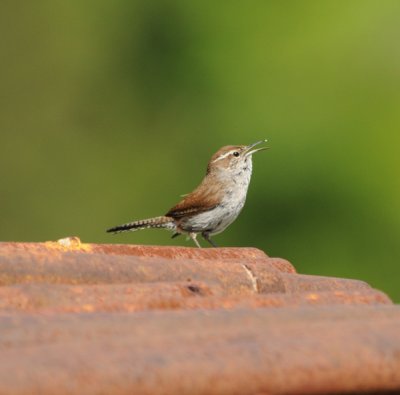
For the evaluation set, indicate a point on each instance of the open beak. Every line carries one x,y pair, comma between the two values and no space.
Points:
249,151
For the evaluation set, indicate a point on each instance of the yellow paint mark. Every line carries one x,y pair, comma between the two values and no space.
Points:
69,244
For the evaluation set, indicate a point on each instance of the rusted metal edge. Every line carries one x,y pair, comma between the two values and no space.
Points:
46,298
73,244
235,277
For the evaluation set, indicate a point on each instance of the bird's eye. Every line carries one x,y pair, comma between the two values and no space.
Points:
236,154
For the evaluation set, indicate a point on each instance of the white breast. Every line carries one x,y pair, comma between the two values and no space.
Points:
218,219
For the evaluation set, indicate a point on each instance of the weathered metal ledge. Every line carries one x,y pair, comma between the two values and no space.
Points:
123,319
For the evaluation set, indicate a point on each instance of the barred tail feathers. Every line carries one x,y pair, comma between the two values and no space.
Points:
156,222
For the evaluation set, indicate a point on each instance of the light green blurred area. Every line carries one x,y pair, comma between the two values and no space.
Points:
110,111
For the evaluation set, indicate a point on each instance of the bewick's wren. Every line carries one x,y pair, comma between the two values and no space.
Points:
214,204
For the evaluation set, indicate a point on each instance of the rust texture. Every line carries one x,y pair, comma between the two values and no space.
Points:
123,319
162,296
304,350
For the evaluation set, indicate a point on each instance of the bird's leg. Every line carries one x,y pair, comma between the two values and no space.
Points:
193,237
207,237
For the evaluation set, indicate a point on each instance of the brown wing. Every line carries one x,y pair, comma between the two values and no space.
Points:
205,197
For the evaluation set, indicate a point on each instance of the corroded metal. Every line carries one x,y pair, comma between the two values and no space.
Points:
238,271
50,298
304,350
122,319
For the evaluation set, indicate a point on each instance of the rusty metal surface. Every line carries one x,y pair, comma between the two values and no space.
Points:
122,319
55,250
292,350
162,296
25,263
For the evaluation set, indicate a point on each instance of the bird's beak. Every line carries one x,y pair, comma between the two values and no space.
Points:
249,151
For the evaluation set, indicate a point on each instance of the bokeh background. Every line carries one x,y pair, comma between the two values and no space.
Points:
110,111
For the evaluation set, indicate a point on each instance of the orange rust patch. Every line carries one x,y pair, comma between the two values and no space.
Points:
312,297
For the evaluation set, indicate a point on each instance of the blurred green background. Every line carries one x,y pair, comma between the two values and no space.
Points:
110,111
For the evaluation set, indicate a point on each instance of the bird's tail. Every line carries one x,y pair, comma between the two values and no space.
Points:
156,222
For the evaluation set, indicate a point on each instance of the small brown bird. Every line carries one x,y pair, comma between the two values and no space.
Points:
214,204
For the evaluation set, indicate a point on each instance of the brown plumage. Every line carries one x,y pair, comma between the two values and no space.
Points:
205,197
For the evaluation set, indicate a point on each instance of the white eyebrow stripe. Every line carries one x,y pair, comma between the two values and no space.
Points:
223,156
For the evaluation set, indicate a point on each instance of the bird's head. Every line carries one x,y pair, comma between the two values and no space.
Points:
232,157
